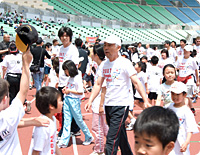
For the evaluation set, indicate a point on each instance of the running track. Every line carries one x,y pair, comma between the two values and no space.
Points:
75,146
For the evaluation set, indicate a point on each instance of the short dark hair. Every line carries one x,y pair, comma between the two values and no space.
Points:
46,96
66,30
165,51
78,42
143,57
142,65
174,42
183,40
71,67
55,62
48,44
54,40
4,88
160,122
154,60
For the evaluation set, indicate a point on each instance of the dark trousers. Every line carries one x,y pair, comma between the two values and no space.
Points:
116,117
74,126
14,82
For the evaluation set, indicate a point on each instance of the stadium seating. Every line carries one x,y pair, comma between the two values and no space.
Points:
164,2
158,16
191,15
192,3
197,10
166,14
151,2
180,15
179,1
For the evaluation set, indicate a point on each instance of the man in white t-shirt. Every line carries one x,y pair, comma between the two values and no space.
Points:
171,51
141,49
55,48
149,52
10,116
118,73
197,46
67,52
180,49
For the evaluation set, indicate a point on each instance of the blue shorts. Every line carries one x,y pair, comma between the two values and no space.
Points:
47,70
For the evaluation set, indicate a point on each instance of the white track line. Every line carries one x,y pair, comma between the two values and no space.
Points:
74,145
32,100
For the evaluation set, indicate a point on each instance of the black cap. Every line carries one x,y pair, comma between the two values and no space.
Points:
39,41
100,52
26,36
167,42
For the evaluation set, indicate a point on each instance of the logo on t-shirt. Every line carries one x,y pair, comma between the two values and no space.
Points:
5,134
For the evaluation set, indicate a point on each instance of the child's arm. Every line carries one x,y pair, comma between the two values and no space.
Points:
103,92
158,100
186,143
197,76
67,91
35,152
24,82
33,121
147,90
58,152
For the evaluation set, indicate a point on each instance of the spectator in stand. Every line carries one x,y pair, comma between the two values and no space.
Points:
82,53
4,46
171,51
180,49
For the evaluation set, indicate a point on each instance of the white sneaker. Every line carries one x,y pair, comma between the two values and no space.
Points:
89,141
129,127
61,145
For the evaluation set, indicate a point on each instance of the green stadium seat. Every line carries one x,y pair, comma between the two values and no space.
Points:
151,2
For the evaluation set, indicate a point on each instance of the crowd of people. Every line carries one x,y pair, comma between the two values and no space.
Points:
164,83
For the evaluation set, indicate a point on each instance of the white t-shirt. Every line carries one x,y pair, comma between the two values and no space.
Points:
197,48
165,93
150,53
68,53
187,124
135,57
163,62
180,52
140,50
172,54
187,67
56,50
13,63
48,61
96,102
154,75
117,75
89,64
44,138
53,78
143,79
9,120
76,84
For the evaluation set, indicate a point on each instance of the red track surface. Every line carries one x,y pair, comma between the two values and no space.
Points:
26,133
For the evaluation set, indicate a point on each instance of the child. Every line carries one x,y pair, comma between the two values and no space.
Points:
187,67
169,73
10,116
140,67
156,131
164,59
48,102
73,93
99,127
187,123
154,80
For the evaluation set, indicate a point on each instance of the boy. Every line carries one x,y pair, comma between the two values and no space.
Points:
10,116
154,80
156,131
187,123
48,102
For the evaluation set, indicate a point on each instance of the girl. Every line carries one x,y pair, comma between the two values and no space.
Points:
73,93
140,67
169,73
164,59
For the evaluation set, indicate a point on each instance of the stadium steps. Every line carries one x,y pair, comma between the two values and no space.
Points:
180,15
175,34
143,13
156,15
148,34
182,33
192,15
167,14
